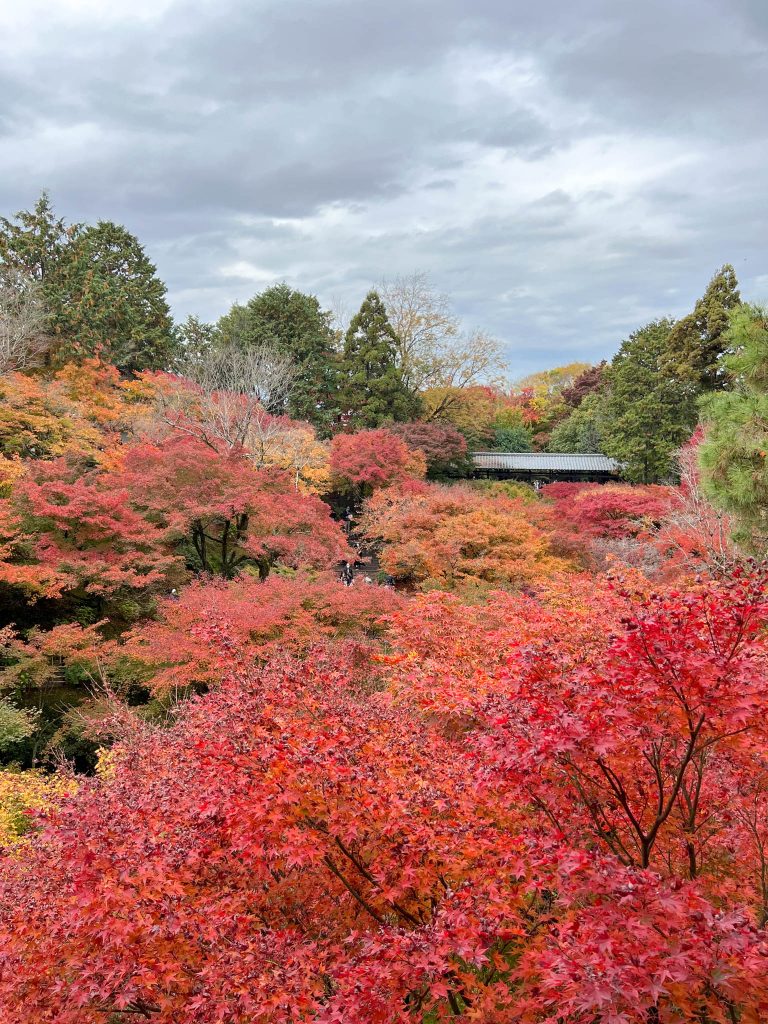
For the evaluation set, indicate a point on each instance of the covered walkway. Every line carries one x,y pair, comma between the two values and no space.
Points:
544,468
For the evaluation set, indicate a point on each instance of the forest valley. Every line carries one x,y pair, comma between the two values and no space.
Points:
519,776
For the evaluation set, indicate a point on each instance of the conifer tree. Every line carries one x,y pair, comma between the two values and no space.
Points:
697,341
294,322
734,454
374,391
115,302
646,414
99,288
34,244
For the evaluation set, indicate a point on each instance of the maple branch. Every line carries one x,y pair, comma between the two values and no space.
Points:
370,878
328,861
140,1008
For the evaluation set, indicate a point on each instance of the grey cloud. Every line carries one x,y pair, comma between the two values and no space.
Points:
331,142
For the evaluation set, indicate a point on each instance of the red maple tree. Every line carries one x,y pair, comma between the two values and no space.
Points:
371,459
298,848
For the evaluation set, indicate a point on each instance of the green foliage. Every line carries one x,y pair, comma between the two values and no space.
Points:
16,724
647,415
36,244
734,453
581,431
697,341
507,489
115,302
294,322
193,341
512,439
373,391
101,291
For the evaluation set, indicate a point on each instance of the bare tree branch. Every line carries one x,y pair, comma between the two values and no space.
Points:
23,319
238,399
432,351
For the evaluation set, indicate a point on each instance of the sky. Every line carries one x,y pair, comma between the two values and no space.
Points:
564,171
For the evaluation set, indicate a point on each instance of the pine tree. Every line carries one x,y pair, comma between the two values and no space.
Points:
374,391
36,244
646,414
734,454
295,322
698,340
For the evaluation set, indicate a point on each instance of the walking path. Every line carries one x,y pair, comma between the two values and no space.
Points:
365,566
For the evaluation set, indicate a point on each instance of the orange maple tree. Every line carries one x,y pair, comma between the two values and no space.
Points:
451,537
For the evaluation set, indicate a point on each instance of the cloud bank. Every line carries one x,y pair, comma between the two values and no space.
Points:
564,171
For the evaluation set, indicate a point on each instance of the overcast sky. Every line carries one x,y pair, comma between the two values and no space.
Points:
564,169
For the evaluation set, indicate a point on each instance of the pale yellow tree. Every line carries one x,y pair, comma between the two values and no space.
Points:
22,793
298,451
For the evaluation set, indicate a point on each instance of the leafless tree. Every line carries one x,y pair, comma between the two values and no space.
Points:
432,350
692,517
263,374
340,317
238,399
23,319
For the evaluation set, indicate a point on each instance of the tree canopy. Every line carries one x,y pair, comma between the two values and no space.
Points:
373,390
698,340
101,292
647,416
735,447
297,326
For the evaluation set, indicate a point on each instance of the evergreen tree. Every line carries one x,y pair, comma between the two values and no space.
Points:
374,391
734,454
698,340
515,438
115,302
581,432
36,245
296,324
647,415
100,290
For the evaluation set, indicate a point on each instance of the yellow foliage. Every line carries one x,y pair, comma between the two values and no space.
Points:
22,792
10,471
297,450
106,764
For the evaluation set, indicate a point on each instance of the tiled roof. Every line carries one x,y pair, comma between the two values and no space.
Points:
545,462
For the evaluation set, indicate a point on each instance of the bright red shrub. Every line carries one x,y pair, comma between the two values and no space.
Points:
610,510
370,459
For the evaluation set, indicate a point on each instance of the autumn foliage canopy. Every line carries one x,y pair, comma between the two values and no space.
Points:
552,837
372,459
523,781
